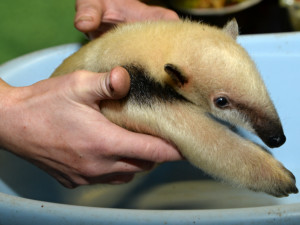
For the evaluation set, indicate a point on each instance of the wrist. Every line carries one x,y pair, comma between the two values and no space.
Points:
5,89
9,96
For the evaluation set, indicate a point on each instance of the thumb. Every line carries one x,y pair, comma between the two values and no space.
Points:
112,85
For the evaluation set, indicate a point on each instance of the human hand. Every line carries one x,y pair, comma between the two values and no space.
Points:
57,125
94,17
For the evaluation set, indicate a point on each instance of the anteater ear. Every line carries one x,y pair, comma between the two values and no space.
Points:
232,29
175,74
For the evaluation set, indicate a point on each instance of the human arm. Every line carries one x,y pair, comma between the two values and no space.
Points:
56,124
95,17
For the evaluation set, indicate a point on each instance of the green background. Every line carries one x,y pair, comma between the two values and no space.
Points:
30,25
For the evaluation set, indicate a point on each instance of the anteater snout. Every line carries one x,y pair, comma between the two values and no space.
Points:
276,141
271,132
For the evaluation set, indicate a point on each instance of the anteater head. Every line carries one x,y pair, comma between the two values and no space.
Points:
215,73
224,80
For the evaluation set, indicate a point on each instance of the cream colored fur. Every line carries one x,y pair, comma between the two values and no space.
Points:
214,65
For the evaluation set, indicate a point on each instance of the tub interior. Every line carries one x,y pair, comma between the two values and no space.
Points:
174,185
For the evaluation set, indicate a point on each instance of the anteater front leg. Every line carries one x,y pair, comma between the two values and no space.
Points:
208,145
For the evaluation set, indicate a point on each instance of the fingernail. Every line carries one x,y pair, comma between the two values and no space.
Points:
84,19
109,85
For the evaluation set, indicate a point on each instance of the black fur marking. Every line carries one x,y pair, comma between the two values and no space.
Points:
175,74
144,90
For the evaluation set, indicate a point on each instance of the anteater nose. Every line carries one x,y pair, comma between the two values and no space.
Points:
276,141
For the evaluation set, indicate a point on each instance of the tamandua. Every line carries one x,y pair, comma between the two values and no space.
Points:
185,76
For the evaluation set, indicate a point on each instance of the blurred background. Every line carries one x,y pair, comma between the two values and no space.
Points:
27,26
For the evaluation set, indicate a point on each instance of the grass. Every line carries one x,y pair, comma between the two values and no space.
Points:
27,26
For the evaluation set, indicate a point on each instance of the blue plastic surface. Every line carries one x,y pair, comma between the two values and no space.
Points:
277,57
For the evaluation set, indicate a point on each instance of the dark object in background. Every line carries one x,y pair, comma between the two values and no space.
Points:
264,17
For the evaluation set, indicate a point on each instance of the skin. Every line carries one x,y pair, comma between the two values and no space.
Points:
56,123
94,17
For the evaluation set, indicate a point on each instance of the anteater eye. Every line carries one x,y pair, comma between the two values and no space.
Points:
221,102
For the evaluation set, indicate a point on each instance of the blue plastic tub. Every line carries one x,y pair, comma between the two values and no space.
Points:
174,193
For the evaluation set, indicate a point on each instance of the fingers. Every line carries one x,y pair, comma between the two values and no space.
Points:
93,87
119,82
113,85
120,178
121,153
154,13
141,146
167,14
118,172
127,165
146,147
88,15
122,171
